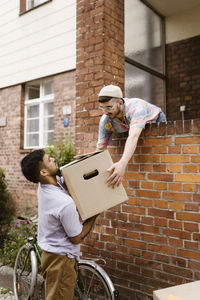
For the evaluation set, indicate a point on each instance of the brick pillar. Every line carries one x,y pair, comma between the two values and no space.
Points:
100,61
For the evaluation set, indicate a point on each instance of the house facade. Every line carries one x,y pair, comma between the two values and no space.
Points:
55,57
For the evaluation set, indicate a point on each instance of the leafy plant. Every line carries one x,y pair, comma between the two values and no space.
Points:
17,236
6,207
63,151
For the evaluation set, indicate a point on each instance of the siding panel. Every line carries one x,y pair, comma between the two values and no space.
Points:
38,43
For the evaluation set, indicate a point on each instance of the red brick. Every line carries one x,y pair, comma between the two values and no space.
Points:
190,169
161,222
188,254
175,159
148,194
176,206
174,168
191,227
188,178
194,265
190,149
175,187
188,216
160,186
161,213
178,271
159,149
157,141
176,242
190,187
160,177
175,224
177,233
161,248
174,149
188,140
191,245
176,196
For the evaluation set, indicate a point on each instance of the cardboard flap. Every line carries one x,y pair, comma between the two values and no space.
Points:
79,158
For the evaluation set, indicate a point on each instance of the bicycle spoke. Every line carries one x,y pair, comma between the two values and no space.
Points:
23,280
91,285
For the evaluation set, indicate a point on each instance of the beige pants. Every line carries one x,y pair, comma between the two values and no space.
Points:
60,274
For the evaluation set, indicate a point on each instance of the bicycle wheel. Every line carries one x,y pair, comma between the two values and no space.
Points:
25,273
93,283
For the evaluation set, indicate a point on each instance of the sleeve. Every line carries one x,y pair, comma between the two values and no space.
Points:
138,115
105,135
143,113
70,220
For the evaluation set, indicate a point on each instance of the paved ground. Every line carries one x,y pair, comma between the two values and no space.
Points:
6,294
6,283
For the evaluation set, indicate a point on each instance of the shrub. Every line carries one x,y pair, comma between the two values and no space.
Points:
63,151
6,208
17,236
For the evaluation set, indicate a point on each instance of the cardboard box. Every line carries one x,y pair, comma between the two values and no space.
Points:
186,291
86,180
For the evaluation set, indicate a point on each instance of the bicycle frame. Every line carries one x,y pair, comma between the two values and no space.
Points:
101,271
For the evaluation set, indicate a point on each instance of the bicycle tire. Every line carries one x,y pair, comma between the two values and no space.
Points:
93,283
25,273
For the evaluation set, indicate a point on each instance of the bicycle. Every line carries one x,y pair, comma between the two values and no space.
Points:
92,282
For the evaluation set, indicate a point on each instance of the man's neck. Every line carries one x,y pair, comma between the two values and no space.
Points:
49,180
120,115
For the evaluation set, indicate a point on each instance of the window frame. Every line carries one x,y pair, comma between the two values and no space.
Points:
161,75
24,6
41,102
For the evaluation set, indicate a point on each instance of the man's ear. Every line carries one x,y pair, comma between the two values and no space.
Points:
44,172
121,102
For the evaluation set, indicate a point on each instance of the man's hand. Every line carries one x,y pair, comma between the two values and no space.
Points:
118,170
87,226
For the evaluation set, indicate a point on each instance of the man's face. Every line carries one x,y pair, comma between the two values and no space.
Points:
111,108
50,165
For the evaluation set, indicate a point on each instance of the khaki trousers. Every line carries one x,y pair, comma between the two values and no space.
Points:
60,274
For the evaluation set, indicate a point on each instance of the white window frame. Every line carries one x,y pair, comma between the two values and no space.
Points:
39,101
33,3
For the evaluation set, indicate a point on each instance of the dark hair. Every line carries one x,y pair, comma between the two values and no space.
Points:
31,164
103,99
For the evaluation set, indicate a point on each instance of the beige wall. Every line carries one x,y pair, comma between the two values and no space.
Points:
38,43
183,25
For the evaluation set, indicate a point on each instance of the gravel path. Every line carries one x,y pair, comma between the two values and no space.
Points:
6,294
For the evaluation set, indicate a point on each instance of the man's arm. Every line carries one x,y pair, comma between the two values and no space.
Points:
118,169
87,226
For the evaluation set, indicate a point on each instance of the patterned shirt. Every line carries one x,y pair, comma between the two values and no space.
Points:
137,113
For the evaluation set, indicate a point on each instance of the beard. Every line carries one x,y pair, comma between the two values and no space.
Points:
115,114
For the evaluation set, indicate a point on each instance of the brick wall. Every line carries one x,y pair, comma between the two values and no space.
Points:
64,94
152,241
100,61
11,135
183,78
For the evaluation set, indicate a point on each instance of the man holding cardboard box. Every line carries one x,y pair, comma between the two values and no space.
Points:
121,115
59,228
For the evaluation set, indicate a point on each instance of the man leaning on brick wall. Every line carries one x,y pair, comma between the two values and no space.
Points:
121,115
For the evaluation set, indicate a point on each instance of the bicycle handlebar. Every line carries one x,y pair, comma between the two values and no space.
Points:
33,219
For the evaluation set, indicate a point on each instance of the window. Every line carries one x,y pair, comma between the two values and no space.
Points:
39,114
26,5
32,3
144,53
